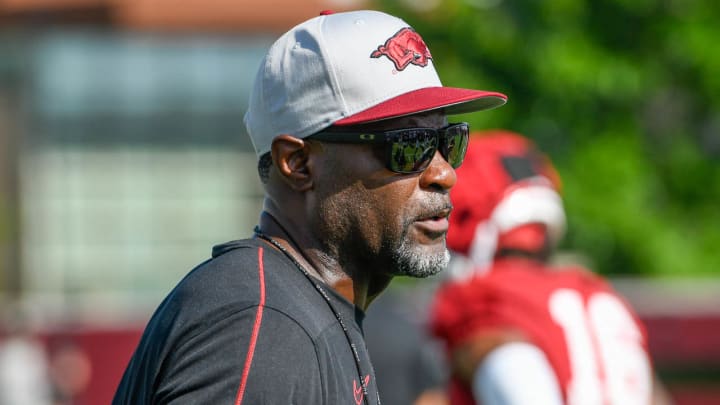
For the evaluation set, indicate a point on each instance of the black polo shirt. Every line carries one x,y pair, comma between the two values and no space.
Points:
247,327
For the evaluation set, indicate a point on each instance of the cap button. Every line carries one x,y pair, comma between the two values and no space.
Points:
327,12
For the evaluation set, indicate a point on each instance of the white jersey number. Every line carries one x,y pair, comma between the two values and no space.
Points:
608,363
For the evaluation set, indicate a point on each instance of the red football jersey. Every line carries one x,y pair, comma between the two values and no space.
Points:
593,340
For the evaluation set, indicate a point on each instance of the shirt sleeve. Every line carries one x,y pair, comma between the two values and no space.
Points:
516,373
208,362
276,364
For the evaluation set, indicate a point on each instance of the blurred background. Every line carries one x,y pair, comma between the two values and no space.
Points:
123,159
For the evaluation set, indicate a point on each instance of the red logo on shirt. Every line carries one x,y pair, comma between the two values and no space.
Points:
404,48
358,390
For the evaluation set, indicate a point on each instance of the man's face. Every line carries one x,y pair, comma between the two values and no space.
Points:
370,216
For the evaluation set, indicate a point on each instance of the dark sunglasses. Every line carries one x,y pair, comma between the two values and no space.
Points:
410,150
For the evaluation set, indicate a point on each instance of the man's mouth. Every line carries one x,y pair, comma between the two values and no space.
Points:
435,224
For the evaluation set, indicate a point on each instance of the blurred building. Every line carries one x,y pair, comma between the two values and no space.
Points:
125,155
123,158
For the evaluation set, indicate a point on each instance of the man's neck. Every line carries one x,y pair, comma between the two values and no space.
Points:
357,284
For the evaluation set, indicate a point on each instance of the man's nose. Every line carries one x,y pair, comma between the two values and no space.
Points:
439,174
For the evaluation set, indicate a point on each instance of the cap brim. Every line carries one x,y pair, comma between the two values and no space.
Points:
450,99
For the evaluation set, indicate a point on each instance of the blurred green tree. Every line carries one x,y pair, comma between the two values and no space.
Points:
623,95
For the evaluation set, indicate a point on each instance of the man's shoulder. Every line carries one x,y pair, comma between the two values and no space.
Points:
231,265
547,277
581,279
237,271
242,275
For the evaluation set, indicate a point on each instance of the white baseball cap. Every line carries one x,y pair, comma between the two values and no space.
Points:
349,68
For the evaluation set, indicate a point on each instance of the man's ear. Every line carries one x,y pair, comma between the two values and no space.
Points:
292,160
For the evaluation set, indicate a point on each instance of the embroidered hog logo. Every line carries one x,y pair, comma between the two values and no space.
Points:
404,48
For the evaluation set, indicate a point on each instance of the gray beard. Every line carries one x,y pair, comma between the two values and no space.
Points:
410,262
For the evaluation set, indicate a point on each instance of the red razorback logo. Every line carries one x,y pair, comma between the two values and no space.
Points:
358,391
404,48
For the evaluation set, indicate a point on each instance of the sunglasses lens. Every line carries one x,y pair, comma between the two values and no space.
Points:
456,143
411,151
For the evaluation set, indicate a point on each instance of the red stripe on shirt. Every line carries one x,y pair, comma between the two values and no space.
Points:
255,331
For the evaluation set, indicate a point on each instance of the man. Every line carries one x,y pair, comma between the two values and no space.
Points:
348,120
517,330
